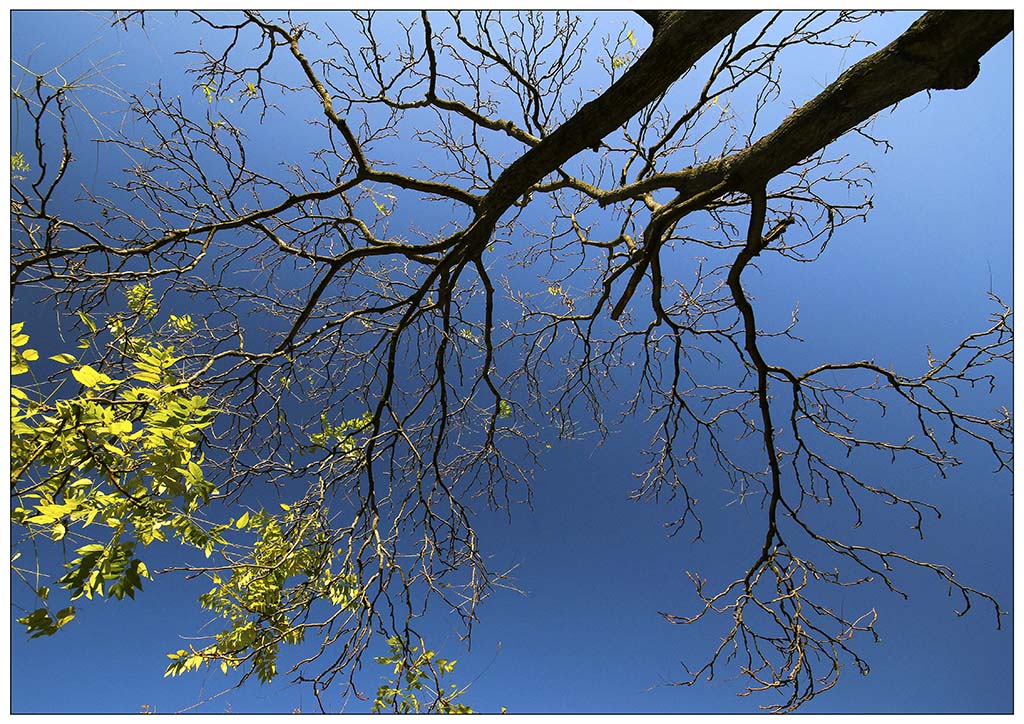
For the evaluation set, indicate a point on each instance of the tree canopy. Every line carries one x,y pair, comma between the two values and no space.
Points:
333,296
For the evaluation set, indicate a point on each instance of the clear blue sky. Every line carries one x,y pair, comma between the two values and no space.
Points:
596,567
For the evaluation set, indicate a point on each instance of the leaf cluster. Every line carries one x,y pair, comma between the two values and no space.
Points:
417,672
112,464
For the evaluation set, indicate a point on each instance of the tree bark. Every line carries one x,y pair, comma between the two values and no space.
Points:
683,39
939,51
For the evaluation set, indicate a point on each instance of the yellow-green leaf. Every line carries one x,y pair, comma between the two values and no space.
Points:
18,162
120,427
87,321
65,615
114,449
88,376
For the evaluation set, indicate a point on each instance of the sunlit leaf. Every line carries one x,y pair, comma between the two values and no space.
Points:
89,377
87,321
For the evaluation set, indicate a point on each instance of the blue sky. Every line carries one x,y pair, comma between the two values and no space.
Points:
596,568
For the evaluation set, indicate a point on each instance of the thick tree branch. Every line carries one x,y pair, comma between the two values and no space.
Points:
379,359
684,38
655,18
940,51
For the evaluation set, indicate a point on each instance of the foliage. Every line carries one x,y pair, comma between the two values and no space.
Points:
417,671
266,596
466,252
112,464
341,436
117,463
19,166
141,302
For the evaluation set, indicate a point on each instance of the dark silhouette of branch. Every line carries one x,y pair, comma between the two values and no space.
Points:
367,280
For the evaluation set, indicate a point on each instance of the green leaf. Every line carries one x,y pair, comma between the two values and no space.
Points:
120,427
150,378
87,321
38,623
89,377
18,163
183,323
114,449
65,615
141,302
